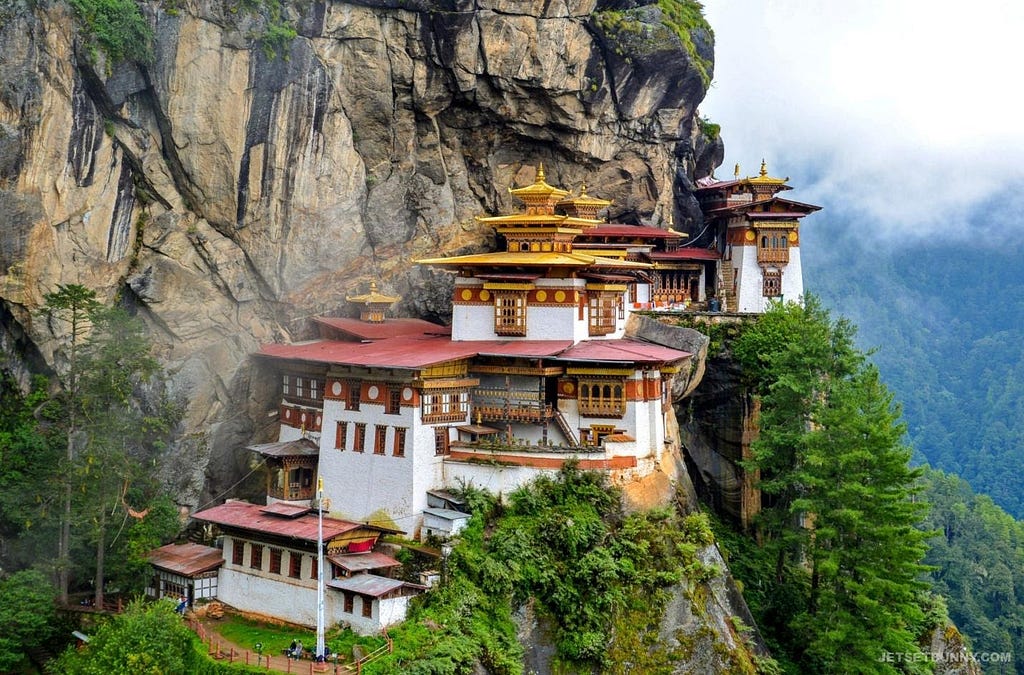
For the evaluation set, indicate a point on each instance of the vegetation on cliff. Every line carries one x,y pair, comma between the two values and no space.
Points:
679,19
75,461
563,547
977,559
835,582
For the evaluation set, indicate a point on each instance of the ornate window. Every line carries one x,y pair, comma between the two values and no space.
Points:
510,313
441,441
237,551
380,435
602,398
354,393
367,606
349,602
772,283
393,404
256,557
399,448
604,308
341,436
275,561
360,440
294,565
302,388
445,405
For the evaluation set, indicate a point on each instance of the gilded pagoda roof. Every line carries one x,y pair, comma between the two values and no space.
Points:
539,189
539,219
373,297
763,178
585,200
534,259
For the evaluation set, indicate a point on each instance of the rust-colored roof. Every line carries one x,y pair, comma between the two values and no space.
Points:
799,207
409,352
367,584
364,330
362,562
301,447
685,254
286,510
617,230
253,518
188,559
520,348
623,351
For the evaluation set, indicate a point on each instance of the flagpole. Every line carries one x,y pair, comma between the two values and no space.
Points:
320,570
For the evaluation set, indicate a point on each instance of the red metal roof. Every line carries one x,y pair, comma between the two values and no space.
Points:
368,584
188,560
361,562
616,230
624,351
398,352
286,510
409,353
685,254
364,330
521,348
801,207
253,518
301,447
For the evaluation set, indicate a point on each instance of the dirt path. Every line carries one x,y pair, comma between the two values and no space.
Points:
221,648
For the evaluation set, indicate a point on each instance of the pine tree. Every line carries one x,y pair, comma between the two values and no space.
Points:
859,537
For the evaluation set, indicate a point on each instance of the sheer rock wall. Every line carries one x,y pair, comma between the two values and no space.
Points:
227,194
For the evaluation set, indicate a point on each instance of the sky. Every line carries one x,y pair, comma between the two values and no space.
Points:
903,117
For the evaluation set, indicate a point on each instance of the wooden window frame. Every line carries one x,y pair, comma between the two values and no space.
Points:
510,313
275,560
398,448
771,286
603,310
353,396
393,403
350,605
380,439
256,556
359,442
341,436
442,441
237,552
444,405
367,609
294,565
601,397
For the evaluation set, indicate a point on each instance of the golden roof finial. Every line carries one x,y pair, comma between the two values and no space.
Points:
583,189
540,172
736,171
670,220
764,168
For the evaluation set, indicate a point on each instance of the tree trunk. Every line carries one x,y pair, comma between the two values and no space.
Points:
101,541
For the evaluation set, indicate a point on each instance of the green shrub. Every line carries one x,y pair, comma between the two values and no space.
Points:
117,27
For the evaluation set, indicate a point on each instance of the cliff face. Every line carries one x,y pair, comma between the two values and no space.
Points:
227,193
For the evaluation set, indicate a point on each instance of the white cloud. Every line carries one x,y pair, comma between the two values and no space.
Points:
906,111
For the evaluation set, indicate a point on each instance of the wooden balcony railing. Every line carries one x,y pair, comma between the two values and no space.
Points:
291,493
773,255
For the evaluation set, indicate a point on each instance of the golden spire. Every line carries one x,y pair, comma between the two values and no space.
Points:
583,189
736,171
540,173
764,167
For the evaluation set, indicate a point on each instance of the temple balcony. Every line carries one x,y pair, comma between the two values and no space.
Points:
773,256
510,405
292,492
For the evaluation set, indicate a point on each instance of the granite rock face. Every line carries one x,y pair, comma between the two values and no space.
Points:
227,193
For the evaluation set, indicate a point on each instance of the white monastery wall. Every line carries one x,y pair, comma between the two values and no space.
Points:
792,277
